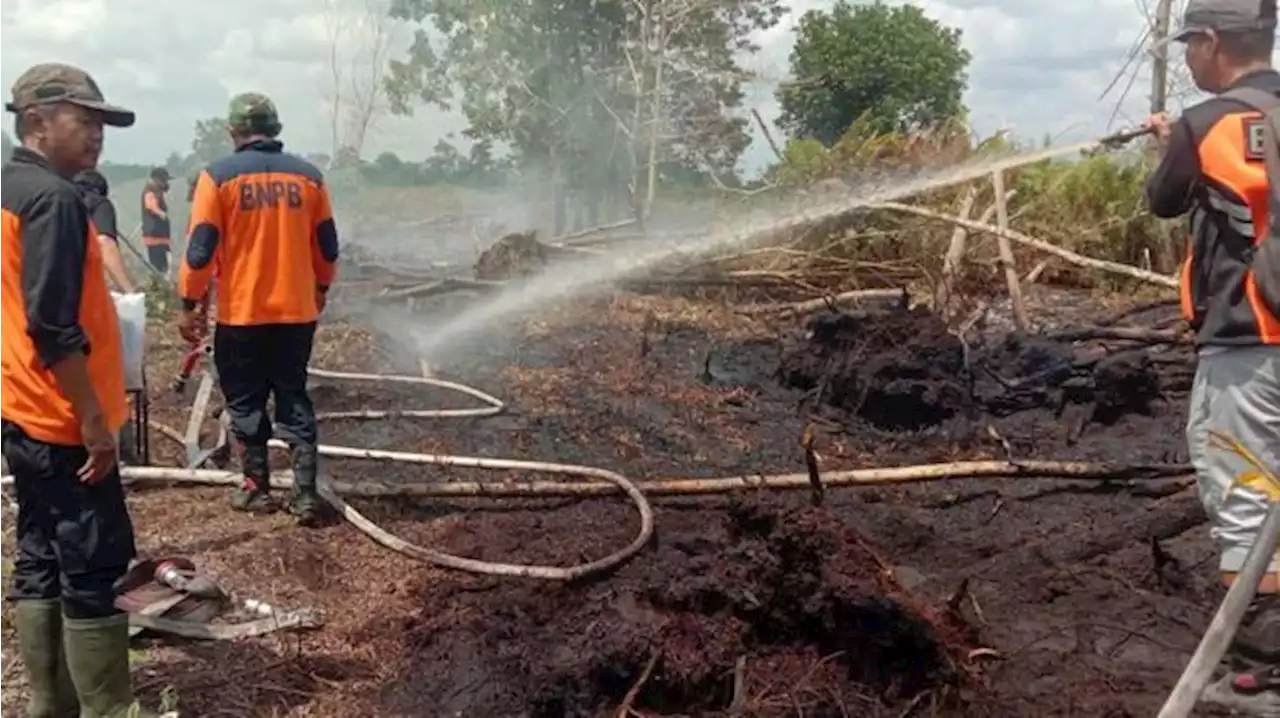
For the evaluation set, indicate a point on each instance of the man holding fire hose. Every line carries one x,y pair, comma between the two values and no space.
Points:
1212,168
62,404
262,219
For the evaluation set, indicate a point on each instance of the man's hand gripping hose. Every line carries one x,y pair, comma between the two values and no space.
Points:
1231,612
195,330
1116,140
196,351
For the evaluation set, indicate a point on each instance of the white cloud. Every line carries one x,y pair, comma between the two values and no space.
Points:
1038,66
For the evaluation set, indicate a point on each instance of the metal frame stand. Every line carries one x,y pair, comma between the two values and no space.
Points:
141,422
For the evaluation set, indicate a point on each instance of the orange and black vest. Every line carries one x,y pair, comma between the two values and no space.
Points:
53,301
262,228
156,230
1229,217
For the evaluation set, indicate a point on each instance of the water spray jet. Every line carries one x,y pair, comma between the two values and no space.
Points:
583,277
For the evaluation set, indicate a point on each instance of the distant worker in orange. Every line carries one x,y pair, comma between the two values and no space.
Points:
156,229
262,220
62,404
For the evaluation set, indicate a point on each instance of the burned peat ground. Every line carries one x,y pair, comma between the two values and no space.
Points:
1087,597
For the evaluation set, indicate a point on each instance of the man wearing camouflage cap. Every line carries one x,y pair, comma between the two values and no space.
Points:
63,404
262,218
1212,169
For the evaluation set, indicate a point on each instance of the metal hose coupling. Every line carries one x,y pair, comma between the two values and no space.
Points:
170,574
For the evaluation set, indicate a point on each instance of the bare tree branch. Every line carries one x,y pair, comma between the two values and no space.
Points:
361,36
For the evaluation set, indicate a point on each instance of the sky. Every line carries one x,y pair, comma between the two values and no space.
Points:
1039,66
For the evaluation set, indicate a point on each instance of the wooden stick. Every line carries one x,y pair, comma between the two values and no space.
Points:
811,463
1020,317
372,487
768,136
1034,275
624,710
567,240
955,250
810,305
1079,260
439,286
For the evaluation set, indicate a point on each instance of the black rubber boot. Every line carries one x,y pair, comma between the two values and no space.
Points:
305,502
39,625
98,658
254,495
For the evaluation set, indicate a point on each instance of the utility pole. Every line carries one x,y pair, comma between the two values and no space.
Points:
1160,61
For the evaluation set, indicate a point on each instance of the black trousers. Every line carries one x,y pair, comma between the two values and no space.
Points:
255,362
74,539
159,257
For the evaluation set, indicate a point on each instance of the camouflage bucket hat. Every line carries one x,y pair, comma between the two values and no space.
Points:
253,112
51,83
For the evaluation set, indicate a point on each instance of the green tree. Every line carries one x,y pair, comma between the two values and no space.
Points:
892,65
597,91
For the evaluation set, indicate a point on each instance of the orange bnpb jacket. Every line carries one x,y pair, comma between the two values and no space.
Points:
261,220
54,303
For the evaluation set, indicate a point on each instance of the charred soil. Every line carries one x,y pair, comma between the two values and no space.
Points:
1089,596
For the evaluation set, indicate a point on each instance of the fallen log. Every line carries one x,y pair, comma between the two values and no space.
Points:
369,487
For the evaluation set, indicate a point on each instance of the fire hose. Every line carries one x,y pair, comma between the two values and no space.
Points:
197,457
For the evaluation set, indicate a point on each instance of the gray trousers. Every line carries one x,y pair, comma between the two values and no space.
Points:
1236,392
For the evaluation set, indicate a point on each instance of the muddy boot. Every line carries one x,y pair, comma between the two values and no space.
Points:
39,624
1254,693
254,495
304,501
1249,679
97,652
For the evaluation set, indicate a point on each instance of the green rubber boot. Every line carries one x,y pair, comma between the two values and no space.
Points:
253,498
304,500
98,658
39,625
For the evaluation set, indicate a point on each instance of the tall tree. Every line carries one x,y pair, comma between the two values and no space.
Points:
598,90
892,65
360,34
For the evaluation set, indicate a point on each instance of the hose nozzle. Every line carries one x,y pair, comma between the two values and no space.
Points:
1119,139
